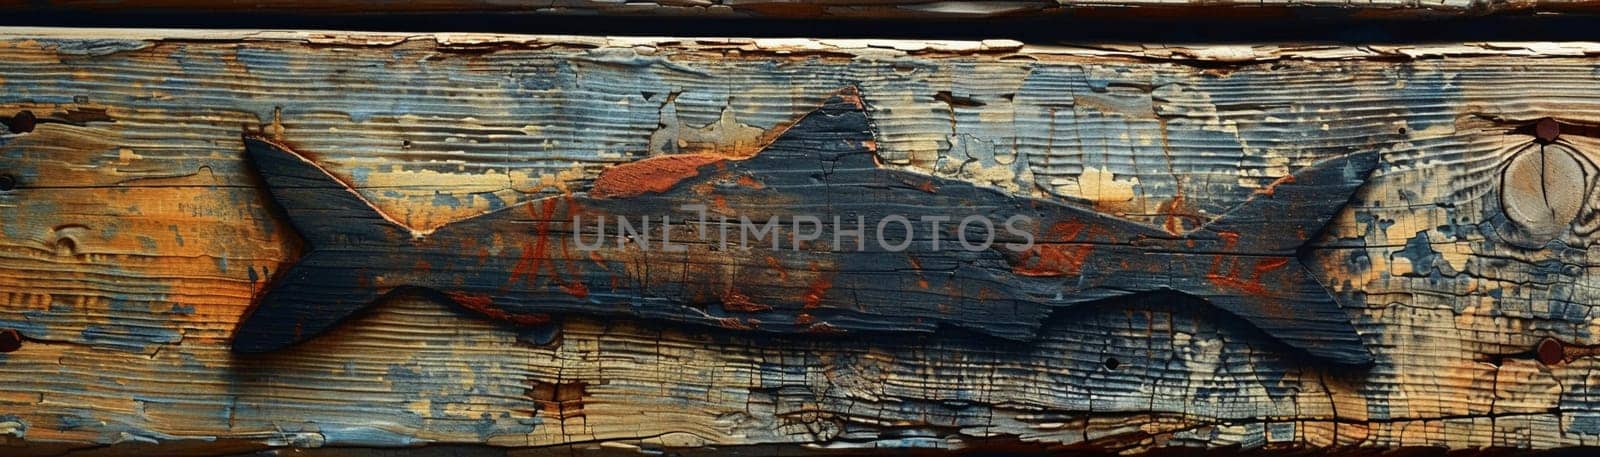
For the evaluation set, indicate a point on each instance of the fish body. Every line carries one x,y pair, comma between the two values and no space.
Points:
810,235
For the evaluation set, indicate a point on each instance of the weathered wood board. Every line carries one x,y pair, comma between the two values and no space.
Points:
875,9
134,236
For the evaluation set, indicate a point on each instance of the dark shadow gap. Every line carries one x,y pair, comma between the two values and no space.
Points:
1337,26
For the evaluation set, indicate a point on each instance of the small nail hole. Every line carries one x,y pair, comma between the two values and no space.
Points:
1112,363
10,340
7,183
1402,130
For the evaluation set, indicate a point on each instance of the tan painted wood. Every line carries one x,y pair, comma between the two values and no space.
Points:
135,239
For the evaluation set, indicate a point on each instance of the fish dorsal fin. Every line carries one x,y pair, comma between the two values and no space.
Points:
837,136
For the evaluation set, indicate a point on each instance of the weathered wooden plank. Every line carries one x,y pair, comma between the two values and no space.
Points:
855,9
136,235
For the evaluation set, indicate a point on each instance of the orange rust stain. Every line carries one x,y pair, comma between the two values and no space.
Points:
732,323
813,297
1273,188
747,181
917,265
651,175
772,262
803,319
1229,239
732,300
483,304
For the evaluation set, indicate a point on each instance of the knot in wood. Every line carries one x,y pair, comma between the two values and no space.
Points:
1542,190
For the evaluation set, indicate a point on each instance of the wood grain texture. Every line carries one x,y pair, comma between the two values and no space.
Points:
135,237
854,9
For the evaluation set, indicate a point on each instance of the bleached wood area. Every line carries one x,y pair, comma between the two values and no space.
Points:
134,238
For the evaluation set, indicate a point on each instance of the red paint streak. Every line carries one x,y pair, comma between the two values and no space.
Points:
927,186
1267,265
1273,188
1253,284
527,267
1049,260
732,300
576,289
1232,282
651,175
1229,239
483,304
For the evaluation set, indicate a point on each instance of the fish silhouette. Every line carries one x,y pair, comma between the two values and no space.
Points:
666,239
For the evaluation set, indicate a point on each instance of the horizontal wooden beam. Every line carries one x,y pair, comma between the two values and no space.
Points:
135,235
853,9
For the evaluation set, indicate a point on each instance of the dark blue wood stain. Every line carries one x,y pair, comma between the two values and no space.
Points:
522,264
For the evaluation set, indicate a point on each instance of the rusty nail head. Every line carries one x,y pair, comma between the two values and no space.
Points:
10,340
22,122
1550,352
1547,130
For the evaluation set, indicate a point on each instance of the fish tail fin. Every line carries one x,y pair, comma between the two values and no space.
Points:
1293,210
323,209
330,282
1250,259
1282,298
316,294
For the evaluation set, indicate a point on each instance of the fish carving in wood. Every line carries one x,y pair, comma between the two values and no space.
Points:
809,235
